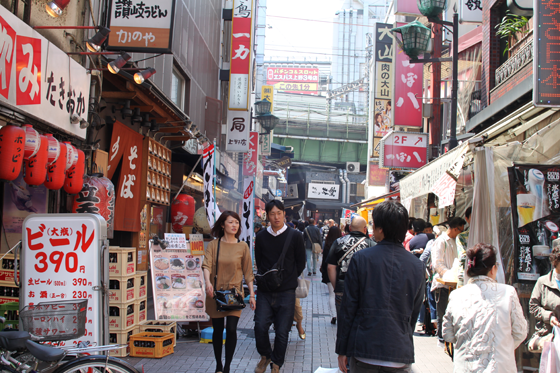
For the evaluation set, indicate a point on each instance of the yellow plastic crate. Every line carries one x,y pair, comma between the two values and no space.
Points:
151,345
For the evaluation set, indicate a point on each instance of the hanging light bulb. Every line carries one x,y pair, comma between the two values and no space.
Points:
117,64
139,77
136,116
146,121
94,44
55,7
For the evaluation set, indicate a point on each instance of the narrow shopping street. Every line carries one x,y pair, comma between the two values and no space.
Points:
302,356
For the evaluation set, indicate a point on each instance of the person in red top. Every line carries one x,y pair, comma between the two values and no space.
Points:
409,234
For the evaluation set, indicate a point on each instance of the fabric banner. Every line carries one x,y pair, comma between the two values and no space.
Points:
126,145
212,210
250,159
535,210
445,190
248,211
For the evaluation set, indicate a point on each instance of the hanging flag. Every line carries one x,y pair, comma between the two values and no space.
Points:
212,210
247,214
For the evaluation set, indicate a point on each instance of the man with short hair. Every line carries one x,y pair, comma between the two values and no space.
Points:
383,292
325,229
429,228
420,239
341,253
276,306
311,235
444,253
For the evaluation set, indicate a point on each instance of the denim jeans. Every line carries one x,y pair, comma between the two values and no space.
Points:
311,261
357,366
277,308
432,304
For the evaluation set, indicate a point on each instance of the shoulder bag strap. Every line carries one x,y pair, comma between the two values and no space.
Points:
217,256
308,235
280,262
350,250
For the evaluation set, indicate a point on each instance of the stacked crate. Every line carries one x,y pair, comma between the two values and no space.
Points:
8,291
123,301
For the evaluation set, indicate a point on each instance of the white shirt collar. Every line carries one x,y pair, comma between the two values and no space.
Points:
269,229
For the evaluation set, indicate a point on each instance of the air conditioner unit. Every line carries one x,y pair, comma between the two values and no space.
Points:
353,167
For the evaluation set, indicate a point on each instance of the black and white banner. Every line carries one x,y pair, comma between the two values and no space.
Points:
212,210
248,211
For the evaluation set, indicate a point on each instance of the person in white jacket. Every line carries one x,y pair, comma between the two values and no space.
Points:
484,319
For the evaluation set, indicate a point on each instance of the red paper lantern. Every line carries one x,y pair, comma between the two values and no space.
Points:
53,150
72,157
56,170
75,175
182,212
32,142
35,170
11,151
97,197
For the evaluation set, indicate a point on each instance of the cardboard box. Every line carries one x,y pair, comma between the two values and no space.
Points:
121,338
122,261
123,316
122,289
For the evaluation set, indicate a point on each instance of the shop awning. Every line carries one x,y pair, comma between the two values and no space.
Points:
326,205
375,200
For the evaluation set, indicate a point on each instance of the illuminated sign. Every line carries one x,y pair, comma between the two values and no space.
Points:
546,73
294,80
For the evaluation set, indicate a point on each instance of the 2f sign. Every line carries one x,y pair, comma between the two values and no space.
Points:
408,140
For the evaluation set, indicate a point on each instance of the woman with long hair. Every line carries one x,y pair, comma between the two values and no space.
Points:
332,236
234,263
484,318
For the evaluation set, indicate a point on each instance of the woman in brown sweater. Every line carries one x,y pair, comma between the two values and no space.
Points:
234,263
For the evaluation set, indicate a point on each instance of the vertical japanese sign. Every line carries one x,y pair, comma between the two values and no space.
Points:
241,52
267,93
266,143
535,210
238,128
470,11
60,262
250,159
382,115
408,90
141,26
126,146
32,83
546,60
178,285
248,211
212,210
403,150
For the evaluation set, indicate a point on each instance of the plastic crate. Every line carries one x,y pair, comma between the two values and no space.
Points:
10,311
122,316
141,310
122,289
141,284
4,300
7,269
121,338
55,321
206,335
151,345
122,261
160,327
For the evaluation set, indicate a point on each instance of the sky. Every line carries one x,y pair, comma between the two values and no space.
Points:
300,26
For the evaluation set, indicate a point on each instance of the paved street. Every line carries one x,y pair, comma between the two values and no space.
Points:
302,356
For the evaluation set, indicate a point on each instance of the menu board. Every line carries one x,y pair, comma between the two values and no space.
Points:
178,284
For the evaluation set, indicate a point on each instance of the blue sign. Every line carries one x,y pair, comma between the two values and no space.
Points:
278,193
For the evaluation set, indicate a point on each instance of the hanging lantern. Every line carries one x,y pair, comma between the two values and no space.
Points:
35,170
32,142
72,155
97,197
75,175
11,151
56,170
53,149
182,212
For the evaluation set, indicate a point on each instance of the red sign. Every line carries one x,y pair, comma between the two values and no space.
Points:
294,80
9,40
28,70
377,176
546,82
404,150
241,47
248,191
250,158
408,90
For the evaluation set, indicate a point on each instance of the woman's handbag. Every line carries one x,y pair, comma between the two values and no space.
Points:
302,290
315,247
536,342
272,279
226,300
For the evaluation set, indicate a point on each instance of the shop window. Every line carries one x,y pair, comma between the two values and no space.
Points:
178,89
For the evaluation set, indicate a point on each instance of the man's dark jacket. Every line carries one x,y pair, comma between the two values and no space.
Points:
315,234
383,292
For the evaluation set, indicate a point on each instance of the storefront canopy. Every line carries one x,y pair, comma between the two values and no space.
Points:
375,200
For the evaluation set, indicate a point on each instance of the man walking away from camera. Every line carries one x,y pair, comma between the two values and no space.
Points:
312,235
383,292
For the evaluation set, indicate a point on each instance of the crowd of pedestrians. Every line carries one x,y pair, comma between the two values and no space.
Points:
385,281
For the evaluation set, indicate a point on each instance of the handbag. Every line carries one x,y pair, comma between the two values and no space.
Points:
536,342
226,300
302,290
272,279
315,247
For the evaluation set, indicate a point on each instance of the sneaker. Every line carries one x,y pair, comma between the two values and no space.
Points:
314,273
262,365
308,274
333,321
275,368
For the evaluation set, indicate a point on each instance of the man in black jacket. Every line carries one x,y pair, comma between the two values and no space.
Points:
383,292
276,306
311,235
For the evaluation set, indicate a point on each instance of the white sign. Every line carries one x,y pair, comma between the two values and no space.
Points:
212,210
191,146
238,128
248,211
176,241
322,191
61,261
292,192
272,184
470,11
266,143
40,80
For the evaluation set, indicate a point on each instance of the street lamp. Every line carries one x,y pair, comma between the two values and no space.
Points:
413,36
267,120
262,107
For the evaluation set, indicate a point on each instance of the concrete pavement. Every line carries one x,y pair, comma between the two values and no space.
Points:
302,356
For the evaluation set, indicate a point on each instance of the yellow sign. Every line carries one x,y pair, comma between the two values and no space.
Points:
267,93
383,86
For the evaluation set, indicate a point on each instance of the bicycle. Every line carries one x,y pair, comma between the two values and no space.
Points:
20,354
